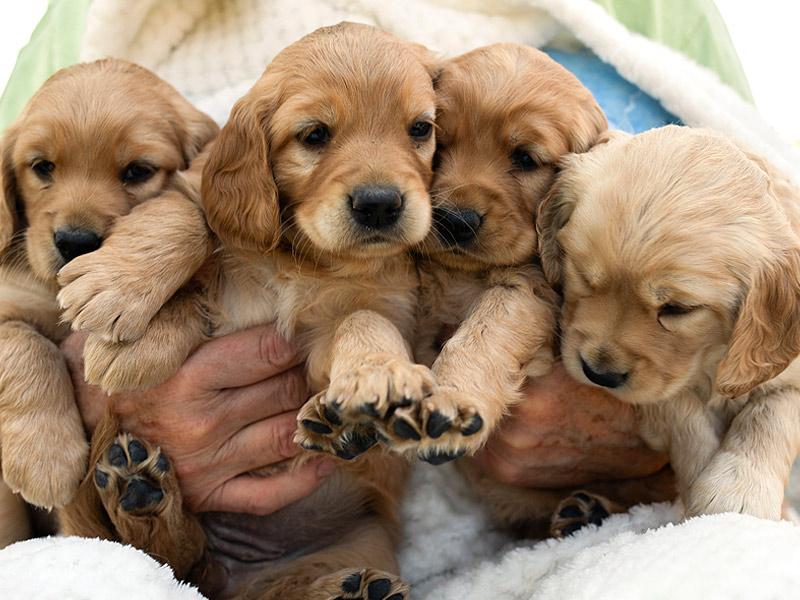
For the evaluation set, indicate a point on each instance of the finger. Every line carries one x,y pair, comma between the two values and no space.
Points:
265,495
281,393
265,442
241,358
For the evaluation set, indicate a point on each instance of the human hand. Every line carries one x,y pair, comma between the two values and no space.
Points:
229,409
567,434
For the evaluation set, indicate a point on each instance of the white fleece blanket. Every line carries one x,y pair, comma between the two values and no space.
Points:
213,51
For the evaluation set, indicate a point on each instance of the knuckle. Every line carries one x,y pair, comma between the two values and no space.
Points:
295,389
283,440
274,350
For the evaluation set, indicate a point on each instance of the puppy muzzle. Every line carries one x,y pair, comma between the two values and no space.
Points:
376,207
456,227
603,377
72,242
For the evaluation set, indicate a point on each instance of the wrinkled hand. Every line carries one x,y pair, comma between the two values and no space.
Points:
229,409
567,434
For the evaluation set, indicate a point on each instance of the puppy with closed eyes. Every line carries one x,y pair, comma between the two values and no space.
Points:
316,189
506,114
679,259
99,147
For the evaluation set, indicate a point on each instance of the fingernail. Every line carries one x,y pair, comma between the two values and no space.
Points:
325,468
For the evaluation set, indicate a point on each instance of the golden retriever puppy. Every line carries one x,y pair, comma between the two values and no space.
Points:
316,189
95,142
506,113
679,259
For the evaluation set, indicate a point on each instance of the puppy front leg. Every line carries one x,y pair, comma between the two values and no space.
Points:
372,375
750,471
508,334
688,430
44,447
173,333
115,291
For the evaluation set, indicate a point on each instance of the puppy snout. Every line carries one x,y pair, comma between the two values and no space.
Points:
604,378
72,242
376,207
456,226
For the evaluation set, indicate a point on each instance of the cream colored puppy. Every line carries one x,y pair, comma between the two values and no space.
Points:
679,259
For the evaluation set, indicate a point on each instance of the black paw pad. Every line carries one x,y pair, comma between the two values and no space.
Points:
437,424
162,463
473,427
583,497
140,494
317,427
368,409
352,584
597,514
396,597
406,430
571,528
332,416
439,458
137,452
313,447
116,456
571,512
358,443
378,589
100,479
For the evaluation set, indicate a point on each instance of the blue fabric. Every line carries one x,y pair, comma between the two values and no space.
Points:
627,107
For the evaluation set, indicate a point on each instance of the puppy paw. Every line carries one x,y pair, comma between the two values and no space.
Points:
321,429
137,365
378,387
731,483
48,471
359,584
578,511
152,358
131,476
440,428
108,297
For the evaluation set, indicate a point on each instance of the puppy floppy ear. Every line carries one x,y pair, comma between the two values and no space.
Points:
552,214
433,63
200,130
239,194
609,136
766,337
10,204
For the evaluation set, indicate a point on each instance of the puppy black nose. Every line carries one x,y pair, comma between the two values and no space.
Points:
608,379
456,226
72,242
376,206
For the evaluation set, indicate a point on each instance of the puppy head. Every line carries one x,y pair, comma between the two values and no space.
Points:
506,114
678,265
330,151
94,141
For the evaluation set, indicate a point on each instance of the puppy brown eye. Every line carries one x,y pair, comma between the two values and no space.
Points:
137,173
43,169
523,161
318,136
421,130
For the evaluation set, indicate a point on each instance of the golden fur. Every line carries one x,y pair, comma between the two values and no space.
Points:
316,189
679,259
92,145
505,114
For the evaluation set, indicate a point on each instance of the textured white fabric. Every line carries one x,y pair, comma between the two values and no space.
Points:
72,568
